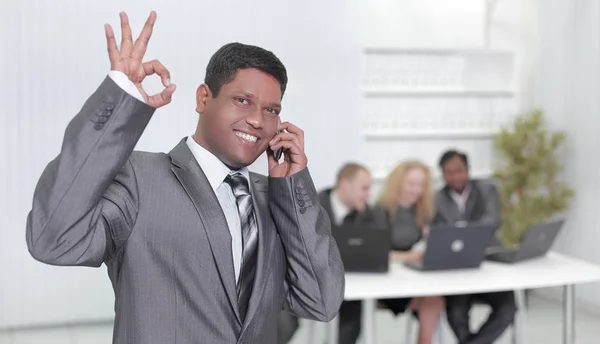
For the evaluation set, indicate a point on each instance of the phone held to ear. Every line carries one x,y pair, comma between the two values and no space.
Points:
277,154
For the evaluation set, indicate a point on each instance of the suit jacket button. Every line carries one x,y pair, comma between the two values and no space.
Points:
301,203
101,119
302,210
299,197
298,189
106,113
98,126
110,106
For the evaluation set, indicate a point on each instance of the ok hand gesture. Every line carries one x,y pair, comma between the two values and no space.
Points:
129,59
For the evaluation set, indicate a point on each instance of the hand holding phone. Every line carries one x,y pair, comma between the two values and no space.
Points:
288,142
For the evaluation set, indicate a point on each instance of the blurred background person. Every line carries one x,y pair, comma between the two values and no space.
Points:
347,205
407,203
468,200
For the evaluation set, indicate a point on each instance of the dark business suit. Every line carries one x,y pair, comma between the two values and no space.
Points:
482,206
350,311
156,223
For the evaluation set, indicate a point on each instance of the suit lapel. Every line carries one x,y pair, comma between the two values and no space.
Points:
450,208
194,181
472,201
266,235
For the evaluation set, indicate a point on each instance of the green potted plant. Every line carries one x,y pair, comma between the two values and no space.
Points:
528,174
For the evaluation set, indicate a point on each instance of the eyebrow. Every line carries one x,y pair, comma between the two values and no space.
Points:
275,105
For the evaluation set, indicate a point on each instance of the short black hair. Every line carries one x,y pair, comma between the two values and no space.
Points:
450,154
226,61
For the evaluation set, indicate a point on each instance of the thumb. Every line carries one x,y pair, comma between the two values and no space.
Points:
271,159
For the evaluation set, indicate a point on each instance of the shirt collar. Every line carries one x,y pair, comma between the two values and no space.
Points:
464,195
461,199
340,210
214,169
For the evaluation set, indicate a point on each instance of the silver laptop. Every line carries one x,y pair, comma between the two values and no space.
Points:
536,242
459,246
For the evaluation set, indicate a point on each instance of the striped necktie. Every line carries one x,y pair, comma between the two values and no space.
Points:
239,186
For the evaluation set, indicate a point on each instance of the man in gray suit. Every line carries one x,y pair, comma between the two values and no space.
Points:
475,201
198,249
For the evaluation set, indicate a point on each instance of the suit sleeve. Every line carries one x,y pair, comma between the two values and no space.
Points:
438,218
491,215
86,201
315,274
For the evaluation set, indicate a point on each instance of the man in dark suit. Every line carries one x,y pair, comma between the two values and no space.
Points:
346,204
198,249
469,200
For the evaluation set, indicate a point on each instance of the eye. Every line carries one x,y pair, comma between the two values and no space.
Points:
273,111
241,100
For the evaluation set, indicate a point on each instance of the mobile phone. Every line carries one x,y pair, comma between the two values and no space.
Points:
277,154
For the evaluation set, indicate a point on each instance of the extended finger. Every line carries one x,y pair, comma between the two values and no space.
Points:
155,67
126,37
113,51
162,98
291,148
283,136
141,43
293,130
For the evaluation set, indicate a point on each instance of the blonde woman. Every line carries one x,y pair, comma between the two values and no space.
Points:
408,204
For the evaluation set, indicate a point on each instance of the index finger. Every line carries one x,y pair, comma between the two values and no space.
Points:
126,36
141,43
292,129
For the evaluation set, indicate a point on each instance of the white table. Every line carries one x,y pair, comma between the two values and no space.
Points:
551,271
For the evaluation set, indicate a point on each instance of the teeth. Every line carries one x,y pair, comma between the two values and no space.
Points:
246,136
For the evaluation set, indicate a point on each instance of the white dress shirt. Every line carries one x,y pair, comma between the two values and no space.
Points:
339,209
215,171
461,199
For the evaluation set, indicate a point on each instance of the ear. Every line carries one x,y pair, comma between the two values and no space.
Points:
203,95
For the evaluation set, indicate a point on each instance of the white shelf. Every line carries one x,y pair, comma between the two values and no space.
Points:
456,72
433,51
437,176
428,134
403,92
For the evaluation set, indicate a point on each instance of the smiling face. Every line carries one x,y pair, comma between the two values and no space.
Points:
456,173
413,186
237,125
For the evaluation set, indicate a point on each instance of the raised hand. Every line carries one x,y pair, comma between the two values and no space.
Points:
129,59
291,138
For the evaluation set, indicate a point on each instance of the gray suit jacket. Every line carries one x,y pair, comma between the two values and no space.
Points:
483,205
156,223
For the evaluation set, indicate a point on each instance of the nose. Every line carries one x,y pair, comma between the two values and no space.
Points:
255,119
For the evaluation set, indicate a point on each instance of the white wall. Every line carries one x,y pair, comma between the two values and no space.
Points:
567,84
54,57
